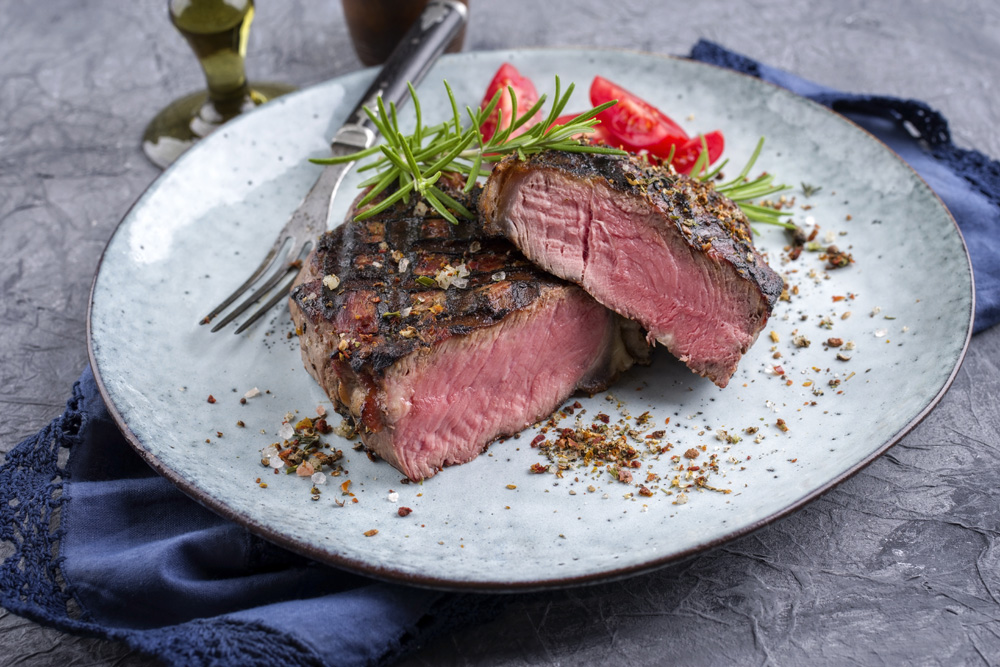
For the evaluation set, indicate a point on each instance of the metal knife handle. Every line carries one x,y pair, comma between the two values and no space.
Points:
427,39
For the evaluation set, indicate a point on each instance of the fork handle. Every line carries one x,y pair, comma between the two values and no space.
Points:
427,39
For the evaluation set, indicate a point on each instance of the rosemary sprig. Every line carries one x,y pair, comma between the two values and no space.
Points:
744,191
416,161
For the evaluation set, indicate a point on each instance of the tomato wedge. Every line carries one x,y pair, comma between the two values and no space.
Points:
524,89
687,153
633,123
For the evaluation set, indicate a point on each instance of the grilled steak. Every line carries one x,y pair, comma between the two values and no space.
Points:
665,250
431,376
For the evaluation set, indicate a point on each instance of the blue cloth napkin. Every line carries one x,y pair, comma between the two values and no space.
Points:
967,181
105,547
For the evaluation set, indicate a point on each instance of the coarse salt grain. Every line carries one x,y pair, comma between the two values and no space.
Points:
453,276
331,281
286,431
253,393
393,497
318,478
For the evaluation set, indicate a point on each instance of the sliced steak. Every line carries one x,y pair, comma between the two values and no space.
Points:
431,376
665,250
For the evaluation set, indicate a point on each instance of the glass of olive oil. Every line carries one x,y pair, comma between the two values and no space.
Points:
217,31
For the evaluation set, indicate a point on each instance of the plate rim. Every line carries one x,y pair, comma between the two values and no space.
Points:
497,586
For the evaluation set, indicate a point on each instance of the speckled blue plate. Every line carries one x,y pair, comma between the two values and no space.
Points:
905,320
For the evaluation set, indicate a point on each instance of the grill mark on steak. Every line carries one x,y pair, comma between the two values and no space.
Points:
666,250
433,386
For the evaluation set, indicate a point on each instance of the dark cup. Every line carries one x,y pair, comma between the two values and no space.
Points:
376,26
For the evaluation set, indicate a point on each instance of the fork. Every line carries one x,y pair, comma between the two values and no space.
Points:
410,62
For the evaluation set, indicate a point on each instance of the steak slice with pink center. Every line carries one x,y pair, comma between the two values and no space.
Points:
664,250
431,376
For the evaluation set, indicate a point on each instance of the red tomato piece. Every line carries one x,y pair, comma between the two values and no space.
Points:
687,153
633,123
526,94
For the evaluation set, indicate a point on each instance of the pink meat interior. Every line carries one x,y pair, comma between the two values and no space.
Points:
624,254
444,406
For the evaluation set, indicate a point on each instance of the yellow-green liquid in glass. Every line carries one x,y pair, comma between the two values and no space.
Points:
217,32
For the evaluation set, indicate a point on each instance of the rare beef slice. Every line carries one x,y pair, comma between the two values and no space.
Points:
664,250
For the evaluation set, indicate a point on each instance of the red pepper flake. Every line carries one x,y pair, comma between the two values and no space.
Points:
537,439
345,486
404,511
643,491
371,533
603,417
837,259
624,476
538,468
211,399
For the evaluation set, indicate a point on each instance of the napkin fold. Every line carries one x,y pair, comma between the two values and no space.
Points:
106,547
967,181
103,546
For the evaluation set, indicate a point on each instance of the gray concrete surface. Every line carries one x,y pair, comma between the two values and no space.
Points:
869,574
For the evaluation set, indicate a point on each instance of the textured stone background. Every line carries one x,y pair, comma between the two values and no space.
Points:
898,565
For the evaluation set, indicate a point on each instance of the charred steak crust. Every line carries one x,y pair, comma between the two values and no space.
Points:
373,294
706,219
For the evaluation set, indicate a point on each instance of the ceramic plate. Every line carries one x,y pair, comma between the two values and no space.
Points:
903,311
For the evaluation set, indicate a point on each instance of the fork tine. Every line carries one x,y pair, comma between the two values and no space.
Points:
278,296
294,255
261,269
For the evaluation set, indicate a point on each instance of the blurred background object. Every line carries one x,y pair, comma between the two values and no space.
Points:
217,32
376,26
